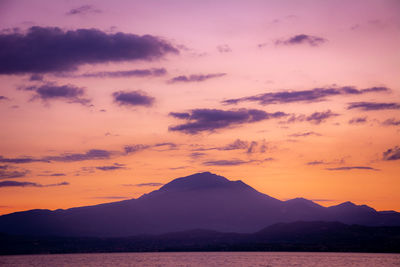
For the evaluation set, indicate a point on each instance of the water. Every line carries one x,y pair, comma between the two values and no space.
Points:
270,259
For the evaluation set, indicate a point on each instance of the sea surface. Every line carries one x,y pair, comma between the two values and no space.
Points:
271,259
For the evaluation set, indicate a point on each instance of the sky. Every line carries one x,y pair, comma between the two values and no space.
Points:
103,101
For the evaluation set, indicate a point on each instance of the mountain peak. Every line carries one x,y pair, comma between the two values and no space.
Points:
195,181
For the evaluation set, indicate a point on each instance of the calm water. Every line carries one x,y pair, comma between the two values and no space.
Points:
272,259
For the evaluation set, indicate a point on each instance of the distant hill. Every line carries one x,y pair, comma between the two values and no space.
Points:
295,236
199,201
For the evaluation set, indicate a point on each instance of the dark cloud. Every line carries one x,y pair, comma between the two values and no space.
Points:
233,162
135,148
3,98
53,174
166,146
19,160
391,122
36,77
318,117
11,174
392,153
317,162
312,95
368,106
148,184
200,120
133,98
196,77
224,48
358,120
304,134
83,10
28,184
52,91
93,154
115,166
125,73
196,155
315,118
349,168
237,144
302,39
42,50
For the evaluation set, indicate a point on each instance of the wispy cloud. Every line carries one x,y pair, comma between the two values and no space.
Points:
369,106
195,77
200,120
315,118
391,122
358,120
28,184
52,91
312,95
133,98
302,39
83,10
124,73
304,134
115,166
392,153
349,168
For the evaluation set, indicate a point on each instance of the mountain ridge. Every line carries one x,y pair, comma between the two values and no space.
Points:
199,201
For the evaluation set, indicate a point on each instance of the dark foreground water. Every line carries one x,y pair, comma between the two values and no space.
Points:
272,259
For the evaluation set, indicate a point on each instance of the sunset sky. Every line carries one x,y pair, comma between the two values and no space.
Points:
103,101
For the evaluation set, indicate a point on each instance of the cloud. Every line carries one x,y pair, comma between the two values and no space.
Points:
28,184
304,134
83,10
92,154
349,168
51,49
133,98
312,95
224,48
358,120
135,148
200,120
317,162
52,91
237,144
391,122
115,166
146,184
233,162
53,174
19,160
3,98
195,77
392,153
368,106
125,73
11,174
196,155
315,118
36,77
302,39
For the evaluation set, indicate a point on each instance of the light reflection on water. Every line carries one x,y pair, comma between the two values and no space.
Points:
270,259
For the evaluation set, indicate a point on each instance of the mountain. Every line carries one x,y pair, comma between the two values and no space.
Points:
199,201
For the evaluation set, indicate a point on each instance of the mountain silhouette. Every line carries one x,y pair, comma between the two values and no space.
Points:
199,201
